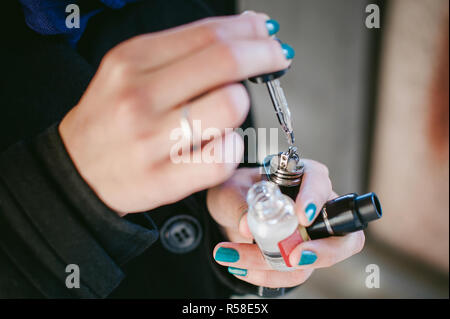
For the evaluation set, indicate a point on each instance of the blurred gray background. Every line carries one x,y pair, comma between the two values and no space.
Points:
330,89
326,84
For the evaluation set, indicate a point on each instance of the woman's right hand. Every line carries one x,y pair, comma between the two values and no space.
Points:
118,135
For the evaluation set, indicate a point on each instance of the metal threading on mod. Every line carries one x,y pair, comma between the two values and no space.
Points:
286,168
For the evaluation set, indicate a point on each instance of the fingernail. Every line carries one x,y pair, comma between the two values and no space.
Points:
228,255
272,26
307,258
310,211
288,51
237,271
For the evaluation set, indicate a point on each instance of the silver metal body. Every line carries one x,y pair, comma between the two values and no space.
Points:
286,168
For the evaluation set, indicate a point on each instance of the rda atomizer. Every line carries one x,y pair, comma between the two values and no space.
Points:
285,170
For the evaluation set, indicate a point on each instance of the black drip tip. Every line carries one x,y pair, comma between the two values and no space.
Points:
345,214
368,207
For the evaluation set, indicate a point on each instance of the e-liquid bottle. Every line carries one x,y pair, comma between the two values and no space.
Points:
271,219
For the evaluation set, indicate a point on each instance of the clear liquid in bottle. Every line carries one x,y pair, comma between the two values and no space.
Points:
272,220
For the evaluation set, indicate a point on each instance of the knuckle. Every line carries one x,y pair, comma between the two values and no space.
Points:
255,22
275,53
118,63
264,16
130,100
211,31
226,55
129,109
237,103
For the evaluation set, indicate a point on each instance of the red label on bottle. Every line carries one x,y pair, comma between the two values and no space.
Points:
288,244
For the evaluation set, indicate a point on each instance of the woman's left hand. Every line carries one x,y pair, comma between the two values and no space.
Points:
227,206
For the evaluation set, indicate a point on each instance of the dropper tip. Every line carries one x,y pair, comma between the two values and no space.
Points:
291,138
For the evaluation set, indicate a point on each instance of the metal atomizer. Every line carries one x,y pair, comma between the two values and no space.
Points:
286,170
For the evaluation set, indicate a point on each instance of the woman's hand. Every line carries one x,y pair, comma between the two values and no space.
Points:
227,206
118,135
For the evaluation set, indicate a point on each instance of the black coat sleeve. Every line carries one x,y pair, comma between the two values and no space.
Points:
50,218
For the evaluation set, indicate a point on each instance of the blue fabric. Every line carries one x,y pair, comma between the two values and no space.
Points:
48,17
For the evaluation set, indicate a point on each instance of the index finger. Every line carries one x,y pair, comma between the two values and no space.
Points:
156,49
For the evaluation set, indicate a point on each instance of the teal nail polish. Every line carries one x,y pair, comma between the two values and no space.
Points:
228,255
308,257
272,26
237,271
288,51
310,211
